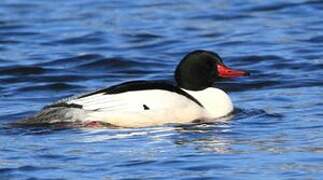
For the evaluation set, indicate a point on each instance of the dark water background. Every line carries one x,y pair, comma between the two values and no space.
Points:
53,49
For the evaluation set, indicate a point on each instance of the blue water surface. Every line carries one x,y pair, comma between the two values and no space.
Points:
54,49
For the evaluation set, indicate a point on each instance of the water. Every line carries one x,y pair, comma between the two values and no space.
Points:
54,49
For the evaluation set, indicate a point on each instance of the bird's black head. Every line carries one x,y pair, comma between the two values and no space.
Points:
200,69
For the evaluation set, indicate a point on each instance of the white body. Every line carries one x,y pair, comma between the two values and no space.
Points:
153,107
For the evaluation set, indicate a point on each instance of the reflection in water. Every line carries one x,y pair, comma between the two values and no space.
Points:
205,138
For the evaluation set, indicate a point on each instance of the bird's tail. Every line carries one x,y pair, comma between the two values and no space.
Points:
54,115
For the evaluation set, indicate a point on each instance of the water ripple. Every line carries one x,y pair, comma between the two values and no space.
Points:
23,70
49,87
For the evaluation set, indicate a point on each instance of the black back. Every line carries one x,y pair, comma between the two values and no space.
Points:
142,85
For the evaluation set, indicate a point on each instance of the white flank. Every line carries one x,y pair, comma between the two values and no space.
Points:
128,109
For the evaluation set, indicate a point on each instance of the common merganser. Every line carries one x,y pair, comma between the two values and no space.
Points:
151,103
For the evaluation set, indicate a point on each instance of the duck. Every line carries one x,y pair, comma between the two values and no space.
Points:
145,103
